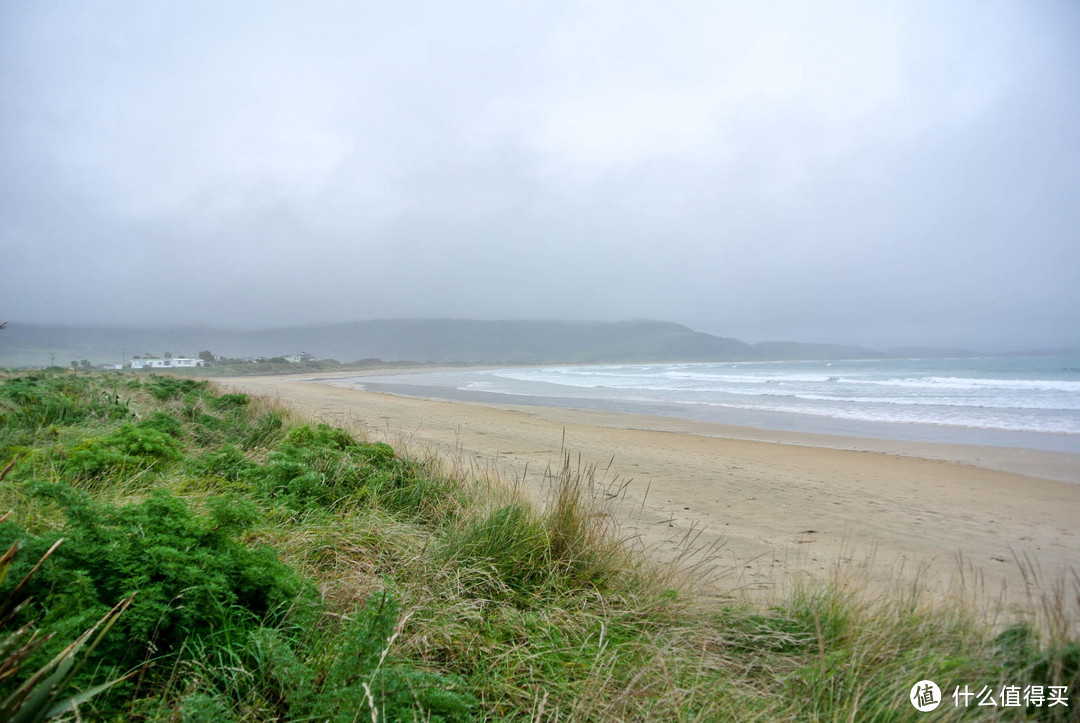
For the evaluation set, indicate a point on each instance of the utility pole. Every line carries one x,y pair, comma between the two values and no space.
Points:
123,359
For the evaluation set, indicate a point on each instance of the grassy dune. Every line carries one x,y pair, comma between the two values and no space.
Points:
284,570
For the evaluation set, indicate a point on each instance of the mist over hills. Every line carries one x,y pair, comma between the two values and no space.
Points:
423,340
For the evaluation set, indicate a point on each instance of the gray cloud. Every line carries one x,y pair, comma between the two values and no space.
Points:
903,173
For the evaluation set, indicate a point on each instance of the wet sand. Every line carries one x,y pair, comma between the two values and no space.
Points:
773,507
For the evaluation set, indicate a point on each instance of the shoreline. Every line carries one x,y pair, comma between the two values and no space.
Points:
1048,463
459,386
766,508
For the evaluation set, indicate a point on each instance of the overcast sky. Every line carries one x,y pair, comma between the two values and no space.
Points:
870,173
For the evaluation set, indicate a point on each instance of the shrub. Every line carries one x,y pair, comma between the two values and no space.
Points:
144,441
229,401
94,459
44,399
228,463
322,465
191,574
49,399
128,448
163,422
41,696
166,388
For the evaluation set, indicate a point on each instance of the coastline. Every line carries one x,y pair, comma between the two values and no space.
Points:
780,505
1052,462
472,386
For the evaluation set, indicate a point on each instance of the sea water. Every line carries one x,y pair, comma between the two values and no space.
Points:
997,400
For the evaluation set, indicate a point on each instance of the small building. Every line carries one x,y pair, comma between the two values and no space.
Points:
175,363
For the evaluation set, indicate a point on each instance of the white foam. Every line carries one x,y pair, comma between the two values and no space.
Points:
880,391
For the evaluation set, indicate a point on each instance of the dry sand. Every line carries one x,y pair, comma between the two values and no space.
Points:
782,506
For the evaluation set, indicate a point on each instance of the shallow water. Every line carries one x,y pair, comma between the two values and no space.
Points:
1020,402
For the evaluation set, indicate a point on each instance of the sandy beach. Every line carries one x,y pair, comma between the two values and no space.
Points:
773,507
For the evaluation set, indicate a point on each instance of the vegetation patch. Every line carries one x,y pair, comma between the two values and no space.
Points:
180,554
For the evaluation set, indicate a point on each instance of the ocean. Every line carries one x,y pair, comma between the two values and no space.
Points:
1008,401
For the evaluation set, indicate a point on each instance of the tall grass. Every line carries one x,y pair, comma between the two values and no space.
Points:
287,570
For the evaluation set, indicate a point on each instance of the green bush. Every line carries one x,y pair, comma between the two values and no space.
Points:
165,423
144,441
94,459
229,401
322,466
166,388
48,399
44,399
126,449
190,573
228,463
44,691
321,436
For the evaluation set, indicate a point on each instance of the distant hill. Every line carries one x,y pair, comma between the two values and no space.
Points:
433,340
423,340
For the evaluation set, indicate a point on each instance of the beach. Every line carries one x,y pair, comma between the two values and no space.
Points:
757,510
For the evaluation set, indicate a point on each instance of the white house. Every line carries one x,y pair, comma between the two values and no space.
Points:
166,363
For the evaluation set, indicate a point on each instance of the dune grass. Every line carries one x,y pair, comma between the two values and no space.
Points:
286,570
